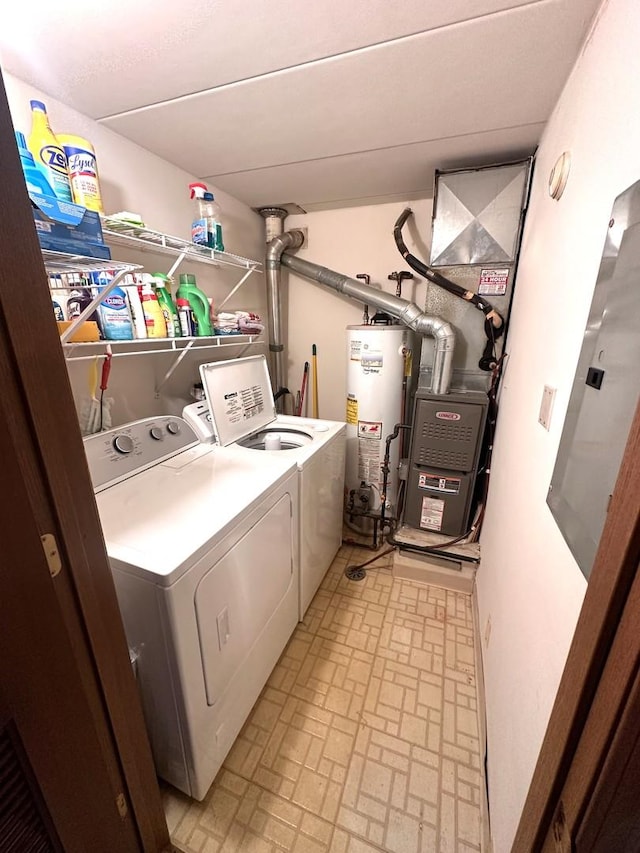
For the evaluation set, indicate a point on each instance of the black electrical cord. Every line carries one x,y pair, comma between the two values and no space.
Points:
494,321
357,572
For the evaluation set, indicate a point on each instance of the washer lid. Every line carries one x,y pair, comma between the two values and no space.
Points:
239,395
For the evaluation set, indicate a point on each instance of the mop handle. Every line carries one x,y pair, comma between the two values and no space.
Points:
314,360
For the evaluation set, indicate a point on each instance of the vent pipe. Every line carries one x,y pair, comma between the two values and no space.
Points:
277,242
407,312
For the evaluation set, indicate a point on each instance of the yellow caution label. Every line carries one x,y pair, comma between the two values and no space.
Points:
352,411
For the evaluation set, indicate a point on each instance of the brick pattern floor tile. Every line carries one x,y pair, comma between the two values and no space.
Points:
365,737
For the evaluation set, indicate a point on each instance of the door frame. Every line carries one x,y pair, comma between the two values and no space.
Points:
46,439
584,734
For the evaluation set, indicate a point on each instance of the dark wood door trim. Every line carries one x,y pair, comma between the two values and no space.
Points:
609,587
42,407
609,819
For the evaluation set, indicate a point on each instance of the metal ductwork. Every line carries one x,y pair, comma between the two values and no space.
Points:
407,312
277,242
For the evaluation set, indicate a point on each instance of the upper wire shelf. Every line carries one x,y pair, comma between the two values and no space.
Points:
121,233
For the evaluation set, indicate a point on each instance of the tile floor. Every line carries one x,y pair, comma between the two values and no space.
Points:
364,739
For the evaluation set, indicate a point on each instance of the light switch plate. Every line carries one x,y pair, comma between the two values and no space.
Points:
546,406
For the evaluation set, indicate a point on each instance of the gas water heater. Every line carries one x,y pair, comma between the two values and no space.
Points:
382,363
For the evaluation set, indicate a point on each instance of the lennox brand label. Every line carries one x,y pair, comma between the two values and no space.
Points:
448,416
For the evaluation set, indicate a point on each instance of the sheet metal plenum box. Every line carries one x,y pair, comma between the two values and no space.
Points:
447,436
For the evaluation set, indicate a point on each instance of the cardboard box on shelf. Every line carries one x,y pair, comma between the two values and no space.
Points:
65,227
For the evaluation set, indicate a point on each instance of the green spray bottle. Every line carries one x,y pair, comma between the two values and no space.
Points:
198,302
161,284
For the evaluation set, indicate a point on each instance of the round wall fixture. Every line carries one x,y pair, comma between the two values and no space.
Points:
559,175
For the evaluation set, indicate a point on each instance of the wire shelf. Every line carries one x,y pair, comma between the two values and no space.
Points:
145,346
61,263
122,233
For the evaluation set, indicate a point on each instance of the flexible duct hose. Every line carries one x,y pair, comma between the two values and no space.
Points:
494,322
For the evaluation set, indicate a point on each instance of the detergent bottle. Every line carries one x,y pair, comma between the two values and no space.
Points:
47,152
206,229
153,314
115,317
34,178
161,285
198,303
135,306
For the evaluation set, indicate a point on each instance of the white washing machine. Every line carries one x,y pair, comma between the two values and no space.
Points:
203,546
317,447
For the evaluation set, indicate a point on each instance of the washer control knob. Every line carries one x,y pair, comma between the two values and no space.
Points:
173,427
156,432
123,443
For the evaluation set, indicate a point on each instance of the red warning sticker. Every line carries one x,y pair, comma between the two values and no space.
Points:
493,282
436,483
370,429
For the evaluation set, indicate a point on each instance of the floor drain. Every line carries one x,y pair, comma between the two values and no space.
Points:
355,573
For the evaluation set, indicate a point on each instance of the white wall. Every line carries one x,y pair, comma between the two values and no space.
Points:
351,240
529,586
134,179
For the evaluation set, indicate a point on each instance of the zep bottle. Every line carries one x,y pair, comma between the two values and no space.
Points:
83,171
48,153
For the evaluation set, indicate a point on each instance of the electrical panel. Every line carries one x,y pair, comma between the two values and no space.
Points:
447,437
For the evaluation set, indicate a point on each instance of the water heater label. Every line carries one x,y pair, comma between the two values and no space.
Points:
352,411
432,513
370,429
450,485
371,362
369,452
354,350
493,282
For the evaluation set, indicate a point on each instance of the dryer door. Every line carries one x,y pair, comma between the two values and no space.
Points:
237,597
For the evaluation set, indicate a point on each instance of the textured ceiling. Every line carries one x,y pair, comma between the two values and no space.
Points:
322,103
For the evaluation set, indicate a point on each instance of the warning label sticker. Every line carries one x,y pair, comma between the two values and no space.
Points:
493,282
369,452
450,485
243,405
371,362
354,350
352,411
370,429
432,512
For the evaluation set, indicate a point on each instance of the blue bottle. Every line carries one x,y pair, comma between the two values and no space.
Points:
113,311
35,179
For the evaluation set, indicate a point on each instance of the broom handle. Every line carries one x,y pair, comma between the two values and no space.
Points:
305,374
314,360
